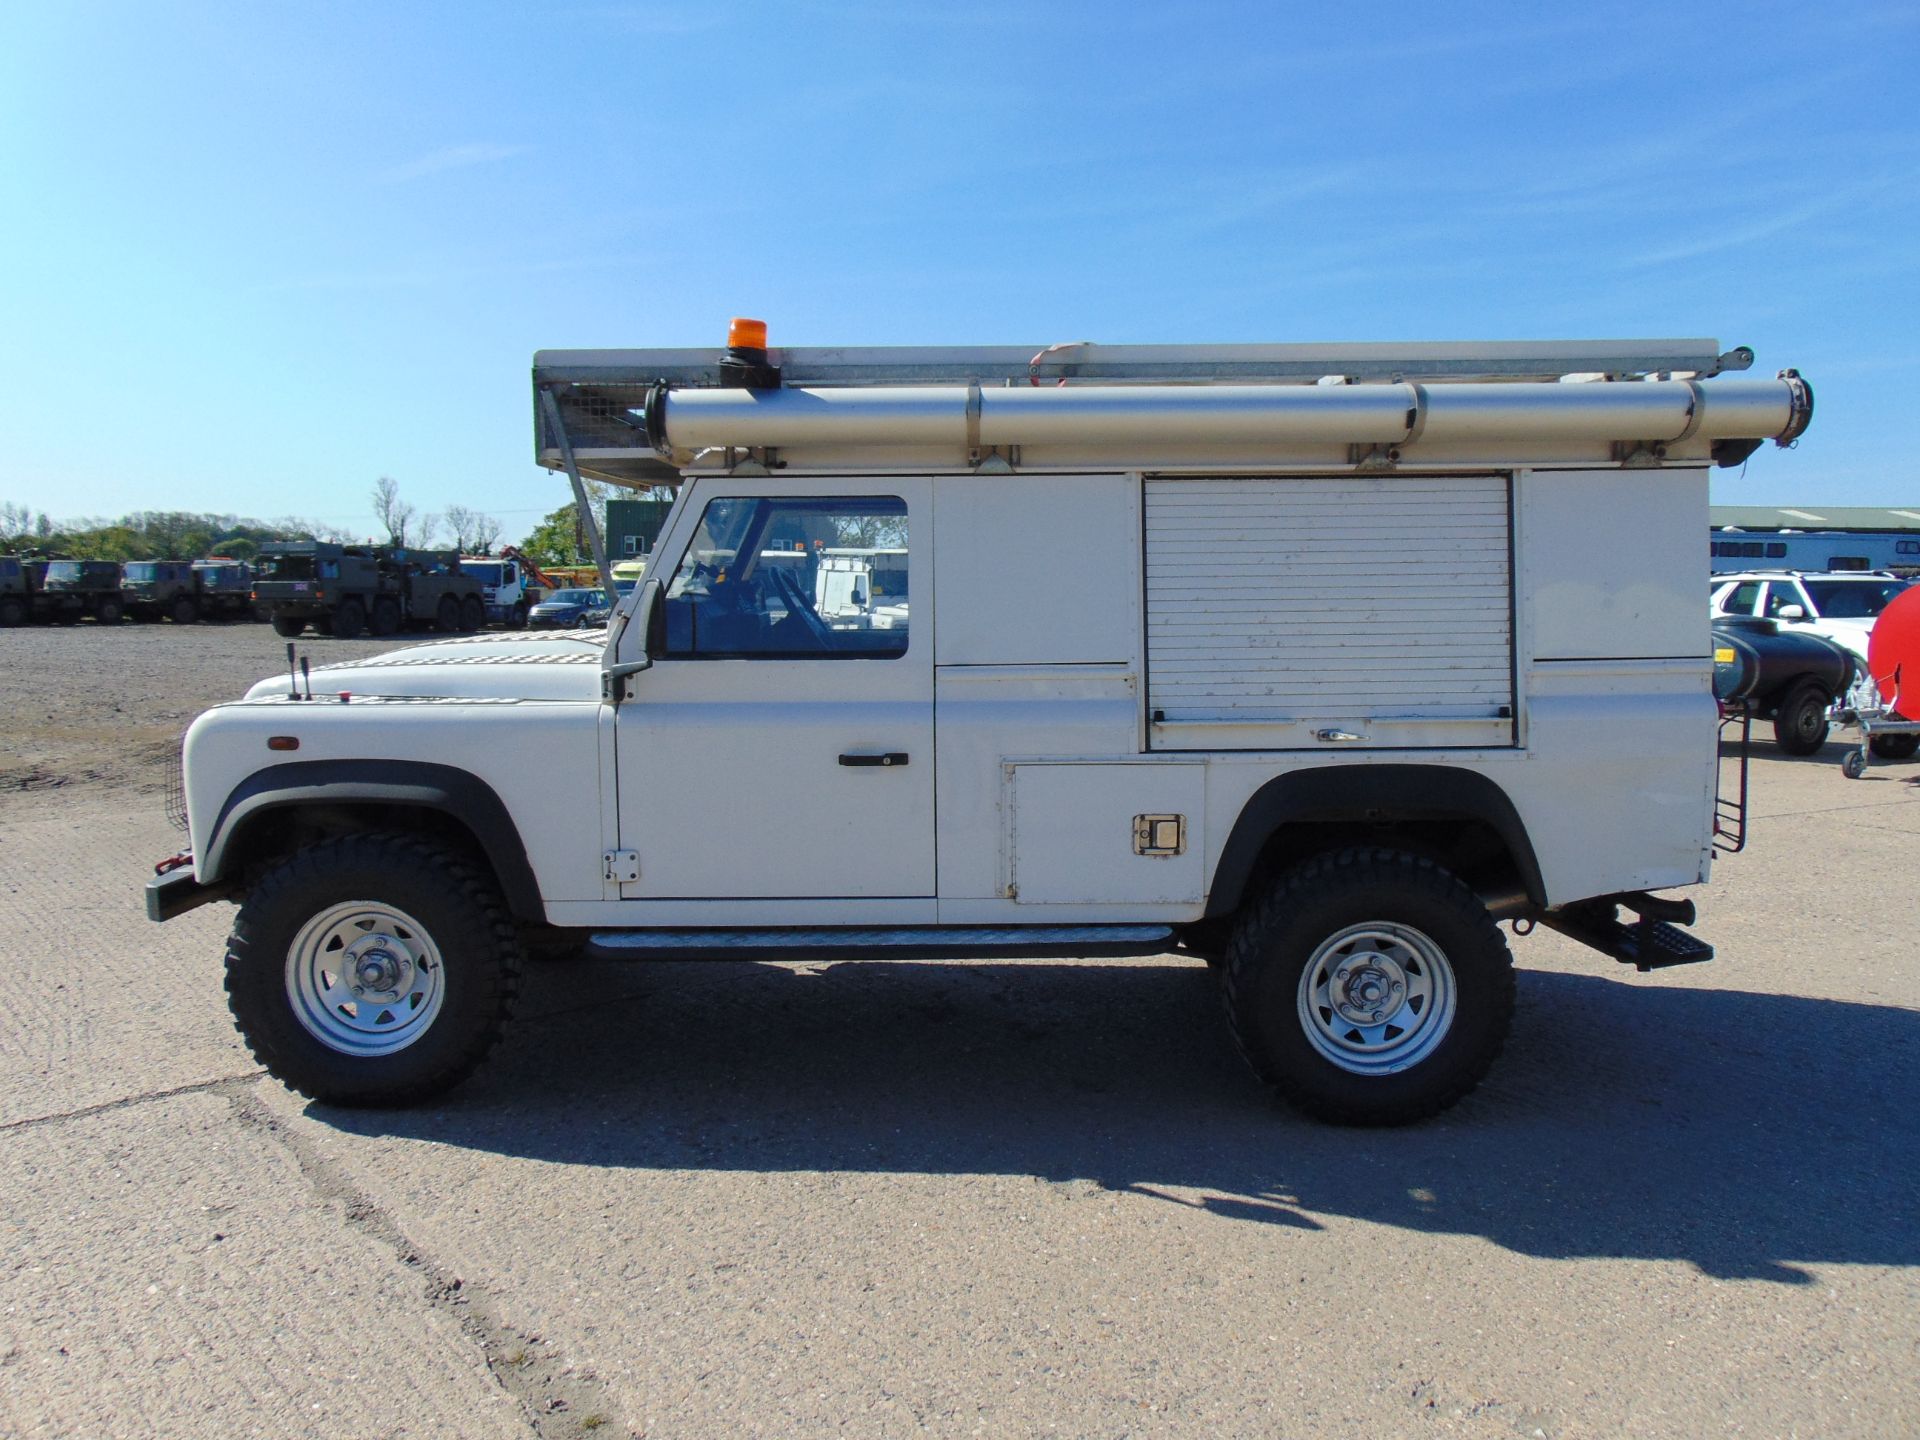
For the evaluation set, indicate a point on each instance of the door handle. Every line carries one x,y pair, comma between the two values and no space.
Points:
892,757
1337,737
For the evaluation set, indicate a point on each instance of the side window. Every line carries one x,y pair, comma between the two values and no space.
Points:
1782,595
1740,599
814,578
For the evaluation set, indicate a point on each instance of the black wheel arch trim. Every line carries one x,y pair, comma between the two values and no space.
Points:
457,793
1368,794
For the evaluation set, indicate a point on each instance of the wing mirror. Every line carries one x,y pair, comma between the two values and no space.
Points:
648,616
1791,612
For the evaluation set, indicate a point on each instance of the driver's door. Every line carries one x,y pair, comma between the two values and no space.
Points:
772,751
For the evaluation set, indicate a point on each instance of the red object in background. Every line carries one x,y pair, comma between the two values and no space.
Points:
1894,645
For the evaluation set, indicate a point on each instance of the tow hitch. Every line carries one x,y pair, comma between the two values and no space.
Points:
1652,942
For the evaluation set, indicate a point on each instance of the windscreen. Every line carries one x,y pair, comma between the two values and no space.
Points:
64,570
487,572
1852,599
141,570
284,567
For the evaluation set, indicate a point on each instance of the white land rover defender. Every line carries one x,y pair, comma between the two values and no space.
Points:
1315,661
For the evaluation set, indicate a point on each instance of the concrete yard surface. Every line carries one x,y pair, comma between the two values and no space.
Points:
886,1199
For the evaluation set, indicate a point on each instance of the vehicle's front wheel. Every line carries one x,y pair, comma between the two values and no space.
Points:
1369,987
373,970
108,612
1800,722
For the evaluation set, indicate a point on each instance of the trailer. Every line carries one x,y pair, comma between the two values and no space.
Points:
1733,550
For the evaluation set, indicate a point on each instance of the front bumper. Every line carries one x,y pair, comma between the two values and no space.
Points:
177,892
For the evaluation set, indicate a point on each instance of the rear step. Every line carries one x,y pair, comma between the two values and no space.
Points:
926,942
1649,943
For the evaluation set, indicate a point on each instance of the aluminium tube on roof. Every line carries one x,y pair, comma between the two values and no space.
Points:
1657,411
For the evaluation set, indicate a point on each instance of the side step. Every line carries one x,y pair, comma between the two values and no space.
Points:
1647,944
926,942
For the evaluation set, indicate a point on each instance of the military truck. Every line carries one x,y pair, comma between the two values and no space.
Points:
74,588
342,590
21,578
184,591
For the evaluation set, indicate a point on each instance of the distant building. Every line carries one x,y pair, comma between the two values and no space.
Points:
1815,537
633,527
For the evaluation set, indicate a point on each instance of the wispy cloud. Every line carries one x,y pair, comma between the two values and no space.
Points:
451,157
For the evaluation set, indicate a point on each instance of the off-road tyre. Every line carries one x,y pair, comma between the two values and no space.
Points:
12,612
473,614
349,620
109,612
1278,933
1800,720
1895,747
458,905
288,626
184,611
384,619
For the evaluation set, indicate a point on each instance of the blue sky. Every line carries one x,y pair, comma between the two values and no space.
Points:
254,256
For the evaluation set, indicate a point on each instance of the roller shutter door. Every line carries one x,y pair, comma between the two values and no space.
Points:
1329,612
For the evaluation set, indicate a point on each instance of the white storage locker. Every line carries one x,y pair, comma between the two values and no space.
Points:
1329,612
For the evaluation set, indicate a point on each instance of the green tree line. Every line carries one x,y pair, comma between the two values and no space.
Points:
152,535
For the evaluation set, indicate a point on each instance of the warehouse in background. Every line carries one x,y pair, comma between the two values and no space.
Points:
633,526
1830,537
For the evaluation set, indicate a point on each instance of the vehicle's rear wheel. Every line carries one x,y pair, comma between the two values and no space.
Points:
473,614
446,616
1369,987
1800,720
184,611
1895,747
349,620
373,970
385,619
288,626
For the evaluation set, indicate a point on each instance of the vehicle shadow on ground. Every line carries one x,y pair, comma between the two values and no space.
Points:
1745,1133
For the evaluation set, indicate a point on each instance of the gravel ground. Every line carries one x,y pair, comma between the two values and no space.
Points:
104,705
1011,1198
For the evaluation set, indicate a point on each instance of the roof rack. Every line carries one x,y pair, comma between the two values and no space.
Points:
1084,362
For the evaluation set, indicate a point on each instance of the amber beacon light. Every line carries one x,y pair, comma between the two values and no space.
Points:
745,362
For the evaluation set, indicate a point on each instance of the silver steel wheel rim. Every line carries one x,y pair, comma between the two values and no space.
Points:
365,978
1377,998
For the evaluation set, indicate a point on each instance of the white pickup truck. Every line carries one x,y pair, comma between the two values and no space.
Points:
1315,661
